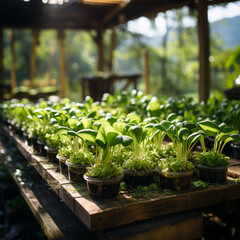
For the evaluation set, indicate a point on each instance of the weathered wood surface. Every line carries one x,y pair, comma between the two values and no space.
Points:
126,208
181,226
54,217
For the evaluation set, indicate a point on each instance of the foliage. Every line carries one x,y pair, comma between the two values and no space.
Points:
81,157
172,164
104,171
212,159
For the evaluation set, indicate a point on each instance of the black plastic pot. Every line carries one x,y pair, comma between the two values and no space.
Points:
227,150
212,174
34,143
138,178
103,188
76,171
51,154
62,164
17,130
176,181
27,139
235,150
42,150
209,142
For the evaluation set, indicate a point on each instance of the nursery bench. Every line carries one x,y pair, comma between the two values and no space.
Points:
124,213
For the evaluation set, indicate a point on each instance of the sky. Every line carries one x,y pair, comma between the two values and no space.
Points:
142,25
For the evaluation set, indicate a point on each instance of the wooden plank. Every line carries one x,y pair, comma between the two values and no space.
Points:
13,70
56,220
167,228
1,60
98,214
62,63
234,171
33,57
145,71
100,47
203,36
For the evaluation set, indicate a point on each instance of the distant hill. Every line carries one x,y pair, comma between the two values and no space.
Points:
227,29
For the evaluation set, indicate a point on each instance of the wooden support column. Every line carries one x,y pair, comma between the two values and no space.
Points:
100,46
13,70
62,63
111,53
33,57
146,71
1,59
203,36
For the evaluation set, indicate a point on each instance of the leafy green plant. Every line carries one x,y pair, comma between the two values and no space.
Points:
223,134
212,159
105,140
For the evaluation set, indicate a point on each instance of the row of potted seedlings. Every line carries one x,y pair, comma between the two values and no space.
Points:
102,145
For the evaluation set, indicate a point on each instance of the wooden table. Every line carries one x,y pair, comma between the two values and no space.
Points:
96,85
127,208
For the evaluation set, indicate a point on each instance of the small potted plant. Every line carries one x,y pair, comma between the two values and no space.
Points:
176,172
78,156
104,177
139,168
52,144
81,156
213,165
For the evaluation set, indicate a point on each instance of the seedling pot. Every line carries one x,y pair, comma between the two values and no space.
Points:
51,154
42,150
138,178
62,165
175,180
34,143
27,139
235,150
76,171
212,174
103,188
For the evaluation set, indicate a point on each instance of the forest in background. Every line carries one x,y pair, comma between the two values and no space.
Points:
173,63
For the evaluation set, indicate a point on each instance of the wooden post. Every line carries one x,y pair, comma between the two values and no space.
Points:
13,70
203,36
33,57
62,63
111,53
146,71
1,59
100,46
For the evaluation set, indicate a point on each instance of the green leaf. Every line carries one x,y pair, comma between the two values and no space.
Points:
86,122
87,135
123,139
134,118
137,132
172,117
209,126
183,133
73,124
63,129
120,127
106,135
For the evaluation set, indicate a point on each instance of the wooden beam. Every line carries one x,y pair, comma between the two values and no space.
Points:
12,52
214,2
146,71
112,47
115,11
61,37
100,46
203,36
1,58
33,57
